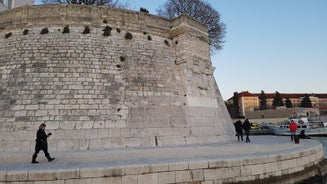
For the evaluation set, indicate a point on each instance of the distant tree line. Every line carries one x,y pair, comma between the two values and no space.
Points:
234,109
278,101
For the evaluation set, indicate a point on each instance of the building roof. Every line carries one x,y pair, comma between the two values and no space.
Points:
320,95
244,94
294,95
283,95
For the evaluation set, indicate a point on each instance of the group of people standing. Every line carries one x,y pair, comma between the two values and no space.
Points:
239,126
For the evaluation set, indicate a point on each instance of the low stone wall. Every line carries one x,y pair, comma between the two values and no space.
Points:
299,164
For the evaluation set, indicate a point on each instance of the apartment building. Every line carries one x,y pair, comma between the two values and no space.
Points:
250,101
9,4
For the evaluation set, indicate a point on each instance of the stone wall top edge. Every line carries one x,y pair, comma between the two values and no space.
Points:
63,14
190,21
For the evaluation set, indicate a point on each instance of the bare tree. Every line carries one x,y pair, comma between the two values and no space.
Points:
111,3
201,11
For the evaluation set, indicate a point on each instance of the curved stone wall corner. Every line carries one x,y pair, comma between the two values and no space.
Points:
101,77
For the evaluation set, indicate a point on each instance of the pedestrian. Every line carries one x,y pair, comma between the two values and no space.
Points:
41,144
238,129
303,136
247,127
293,128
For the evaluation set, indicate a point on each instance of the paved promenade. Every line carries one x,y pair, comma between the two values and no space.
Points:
163,159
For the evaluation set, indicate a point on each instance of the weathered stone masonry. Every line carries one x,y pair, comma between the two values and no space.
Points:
97,92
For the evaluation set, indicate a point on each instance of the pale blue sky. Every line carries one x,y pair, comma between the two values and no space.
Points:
270,45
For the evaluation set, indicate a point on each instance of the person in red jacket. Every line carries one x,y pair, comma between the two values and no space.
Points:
293,128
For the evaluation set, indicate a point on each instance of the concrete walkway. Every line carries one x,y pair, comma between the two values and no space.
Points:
260,146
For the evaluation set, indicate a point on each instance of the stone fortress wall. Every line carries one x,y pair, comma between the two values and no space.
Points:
102,77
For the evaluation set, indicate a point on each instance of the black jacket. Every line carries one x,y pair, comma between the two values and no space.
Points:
238,126
41,139
246,125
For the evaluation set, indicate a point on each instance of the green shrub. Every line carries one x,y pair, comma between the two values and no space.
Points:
86,30
128,36
167,43
107,31
65,30
44,31
8,35
25,32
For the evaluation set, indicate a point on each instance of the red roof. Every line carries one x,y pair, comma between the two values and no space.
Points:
283,95
246,94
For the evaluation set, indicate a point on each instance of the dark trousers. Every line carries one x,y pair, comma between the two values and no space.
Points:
293,134
247,132
240,135
37,150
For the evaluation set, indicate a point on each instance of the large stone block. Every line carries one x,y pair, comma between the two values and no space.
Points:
67,174
178,166
148,178
41,175
16,176
129,179
198,165
167,177
183,176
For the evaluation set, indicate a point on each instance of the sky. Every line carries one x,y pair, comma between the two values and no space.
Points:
270,45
